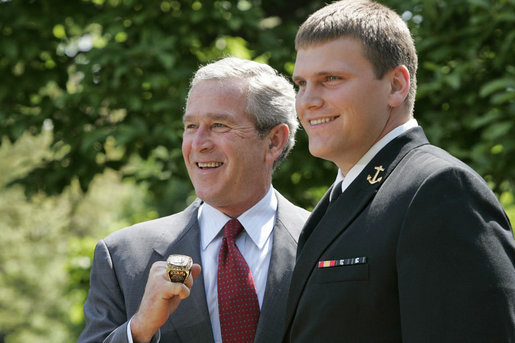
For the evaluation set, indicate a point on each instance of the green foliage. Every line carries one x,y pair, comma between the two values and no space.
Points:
91,105
32,252
466,93
110,79
47,243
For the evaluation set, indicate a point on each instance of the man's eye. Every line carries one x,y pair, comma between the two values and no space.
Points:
332,78
220,128
189,126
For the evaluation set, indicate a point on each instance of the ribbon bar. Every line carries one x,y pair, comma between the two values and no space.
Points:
342,262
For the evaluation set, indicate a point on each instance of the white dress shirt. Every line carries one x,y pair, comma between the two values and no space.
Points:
369,155
254,243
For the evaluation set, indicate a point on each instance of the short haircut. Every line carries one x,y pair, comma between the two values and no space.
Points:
270,96
386,39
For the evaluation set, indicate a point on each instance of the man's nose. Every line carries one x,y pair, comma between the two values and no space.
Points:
309,98
202,139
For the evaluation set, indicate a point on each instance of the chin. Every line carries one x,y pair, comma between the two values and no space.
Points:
202,194
318,151
212,196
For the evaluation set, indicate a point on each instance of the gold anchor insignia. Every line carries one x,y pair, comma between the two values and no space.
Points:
375,179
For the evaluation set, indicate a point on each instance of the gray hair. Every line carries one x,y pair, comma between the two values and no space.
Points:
270,96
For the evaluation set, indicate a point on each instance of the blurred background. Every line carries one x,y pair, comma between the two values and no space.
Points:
91,100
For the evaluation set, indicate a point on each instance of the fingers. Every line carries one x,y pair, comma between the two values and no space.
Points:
159,285
195,271
175,289
182,290
160,299
188,282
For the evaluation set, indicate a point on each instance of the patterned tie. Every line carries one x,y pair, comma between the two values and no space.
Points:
237,299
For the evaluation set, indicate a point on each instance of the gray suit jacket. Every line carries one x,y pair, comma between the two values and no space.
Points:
122,262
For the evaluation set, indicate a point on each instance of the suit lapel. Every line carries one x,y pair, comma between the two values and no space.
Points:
191,319
313,220
281,265
329,221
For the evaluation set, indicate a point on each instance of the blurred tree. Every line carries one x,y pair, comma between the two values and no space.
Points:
466,83
93,92
31,265
110,78
47,243
466,94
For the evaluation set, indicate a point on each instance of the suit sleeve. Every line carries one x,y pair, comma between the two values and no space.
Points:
455,260
104,310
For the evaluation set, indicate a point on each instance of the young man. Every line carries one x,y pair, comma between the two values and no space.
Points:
239,124
412,245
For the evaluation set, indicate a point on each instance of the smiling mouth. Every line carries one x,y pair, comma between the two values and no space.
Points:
322,120
204,165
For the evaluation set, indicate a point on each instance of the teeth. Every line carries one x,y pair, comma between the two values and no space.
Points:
321,121
209,164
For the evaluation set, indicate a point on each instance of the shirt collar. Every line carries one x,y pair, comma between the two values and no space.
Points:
369,155
258,221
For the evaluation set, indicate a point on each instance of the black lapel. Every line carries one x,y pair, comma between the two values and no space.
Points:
328,221
313,220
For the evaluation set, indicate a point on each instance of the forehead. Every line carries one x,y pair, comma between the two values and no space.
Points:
217,97
344,54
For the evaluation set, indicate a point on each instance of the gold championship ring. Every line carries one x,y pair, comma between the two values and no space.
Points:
178,267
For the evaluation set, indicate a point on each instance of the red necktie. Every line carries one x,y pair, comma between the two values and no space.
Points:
237,299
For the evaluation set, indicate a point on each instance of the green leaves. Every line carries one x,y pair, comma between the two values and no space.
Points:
104,83
501,91
121,69
466,97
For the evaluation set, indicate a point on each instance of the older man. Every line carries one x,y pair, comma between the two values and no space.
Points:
239,124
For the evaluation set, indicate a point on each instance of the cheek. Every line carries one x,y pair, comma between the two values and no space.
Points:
186,148
300,116
298,106
252,156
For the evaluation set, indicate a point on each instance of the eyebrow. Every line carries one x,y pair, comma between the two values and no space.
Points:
320,73
296,78
212,116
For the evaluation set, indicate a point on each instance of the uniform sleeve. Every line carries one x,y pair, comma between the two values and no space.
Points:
455,262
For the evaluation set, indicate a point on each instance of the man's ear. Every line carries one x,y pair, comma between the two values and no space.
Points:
277,139
399,83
